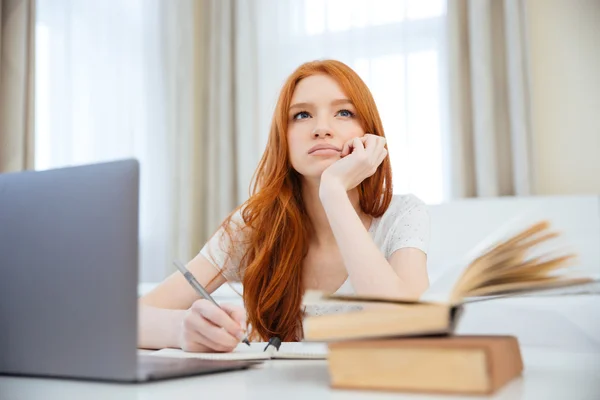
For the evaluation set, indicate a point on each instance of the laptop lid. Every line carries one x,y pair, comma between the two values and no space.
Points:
69,271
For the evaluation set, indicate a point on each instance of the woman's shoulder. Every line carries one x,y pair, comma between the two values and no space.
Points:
404,224
403,205
236,218
226,247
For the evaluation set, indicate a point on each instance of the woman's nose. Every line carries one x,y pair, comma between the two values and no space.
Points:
321,132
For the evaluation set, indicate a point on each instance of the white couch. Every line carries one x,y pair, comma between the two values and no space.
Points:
458,226
559,321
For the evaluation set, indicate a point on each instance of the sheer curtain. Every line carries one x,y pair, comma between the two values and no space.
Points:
398,48
125,78
112,82
17,20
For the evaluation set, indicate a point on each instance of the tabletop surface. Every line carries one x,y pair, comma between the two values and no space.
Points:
547,375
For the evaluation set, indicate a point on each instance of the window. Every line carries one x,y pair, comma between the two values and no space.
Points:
99,97
397,47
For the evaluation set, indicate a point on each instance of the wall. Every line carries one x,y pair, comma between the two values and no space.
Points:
565,73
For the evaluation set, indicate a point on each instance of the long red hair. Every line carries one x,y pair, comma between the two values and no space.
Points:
279,228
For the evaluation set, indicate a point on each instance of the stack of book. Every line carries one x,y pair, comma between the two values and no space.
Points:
410,345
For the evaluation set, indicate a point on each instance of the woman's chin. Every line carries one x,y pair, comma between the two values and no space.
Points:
312,173
315,170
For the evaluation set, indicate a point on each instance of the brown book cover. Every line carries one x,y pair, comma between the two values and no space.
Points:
383,320
451,364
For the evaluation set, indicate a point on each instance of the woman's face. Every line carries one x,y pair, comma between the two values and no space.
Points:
321,119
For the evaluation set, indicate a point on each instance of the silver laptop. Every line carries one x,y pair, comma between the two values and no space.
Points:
69,275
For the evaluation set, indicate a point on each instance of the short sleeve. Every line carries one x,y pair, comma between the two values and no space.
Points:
225,252
410,225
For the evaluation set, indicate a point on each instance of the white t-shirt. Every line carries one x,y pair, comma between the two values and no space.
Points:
404,224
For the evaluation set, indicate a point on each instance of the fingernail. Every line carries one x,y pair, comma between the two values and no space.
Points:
240,335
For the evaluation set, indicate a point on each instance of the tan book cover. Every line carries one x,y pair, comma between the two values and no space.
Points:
455,364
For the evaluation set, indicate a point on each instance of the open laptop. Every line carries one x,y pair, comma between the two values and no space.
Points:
69,275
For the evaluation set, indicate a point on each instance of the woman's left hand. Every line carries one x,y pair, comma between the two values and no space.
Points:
360,159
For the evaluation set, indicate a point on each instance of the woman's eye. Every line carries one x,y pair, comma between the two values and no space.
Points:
345,113
301,115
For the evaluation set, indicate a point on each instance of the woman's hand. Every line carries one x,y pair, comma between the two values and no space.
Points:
206,327
360,159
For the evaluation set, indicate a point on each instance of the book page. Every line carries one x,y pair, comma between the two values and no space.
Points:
241,352
287,350
440,290
301,350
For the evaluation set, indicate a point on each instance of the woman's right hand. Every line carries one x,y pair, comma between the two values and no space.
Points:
206,327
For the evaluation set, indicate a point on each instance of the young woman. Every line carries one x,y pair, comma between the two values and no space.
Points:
321,216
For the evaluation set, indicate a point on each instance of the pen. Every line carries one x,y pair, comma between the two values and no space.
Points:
273,342
198,287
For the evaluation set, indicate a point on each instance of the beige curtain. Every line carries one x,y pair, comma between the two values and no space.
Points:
17,34
211,175
490,124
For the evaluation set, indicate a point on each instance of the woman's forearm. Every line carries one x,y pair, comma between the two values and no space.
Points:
369,271
158,328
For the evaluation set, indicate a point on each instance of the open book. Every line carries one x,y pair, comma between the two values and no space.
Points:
256,351
521,263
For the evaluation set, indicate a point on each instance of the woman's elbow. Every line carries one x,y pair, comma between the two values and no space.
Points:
421,286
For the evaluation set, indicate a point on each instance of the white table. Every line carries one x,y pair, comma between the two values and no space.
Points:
547,375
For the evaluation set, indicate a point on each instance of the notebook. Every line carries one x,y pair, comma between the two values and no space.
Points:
287,350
